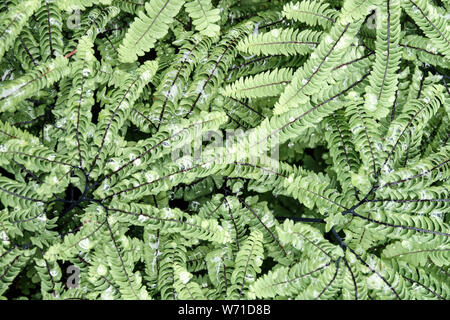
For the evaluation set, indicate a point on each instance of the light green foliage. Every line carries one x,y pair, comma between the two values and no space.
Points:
204,17
49,20
149,26
380,95
311,12
13,21
432,21
281,41
171,149
267,84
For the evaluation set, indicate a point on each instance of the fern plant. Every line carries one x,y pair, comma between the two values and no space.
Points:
353,94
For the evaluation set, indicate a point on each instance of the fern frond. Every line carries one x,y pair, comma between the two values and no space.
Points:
72,5
383,80
27,49
204,17
50,31
43,76
432,22
267,84
10,267
311,12
247,265
148,27
281,41
326,56
116,112
286,281
186,289
417,254
14,21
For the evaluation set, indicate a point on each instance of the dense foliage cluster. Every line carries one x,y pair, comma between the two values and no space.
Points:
117,182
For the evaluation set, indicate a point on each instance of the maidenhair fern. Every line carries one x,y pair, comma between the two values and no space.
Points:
200,149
